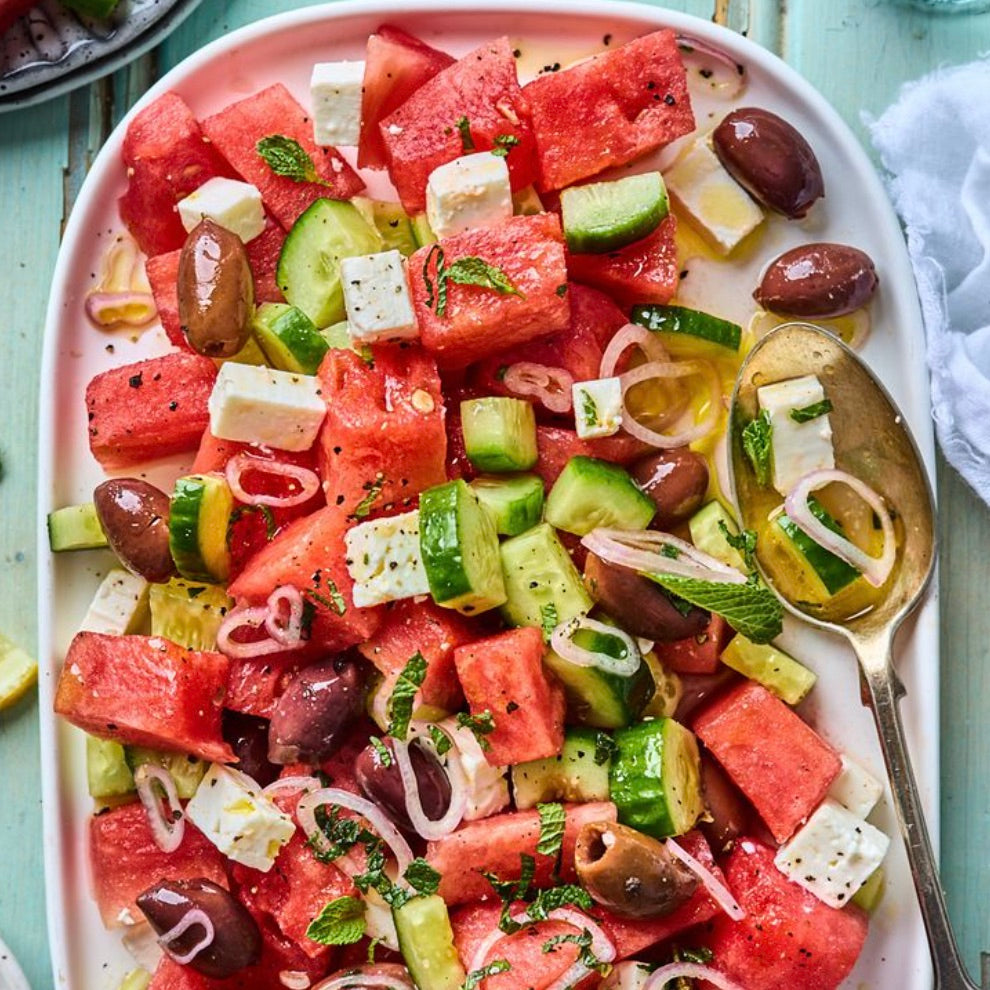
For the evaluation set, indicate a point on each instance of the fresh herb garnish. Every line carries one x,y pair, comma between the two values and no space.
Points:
585,954
481,725
400,704
504,143
287,157
561,290
495,967
384,756
422,877
552,821
376,877
374,489
341,922
249,510
441,740
556,897
605,748
589,408
333,600
548,619
464,126
342,834
757,437
744,543
669,550
808,413
469,270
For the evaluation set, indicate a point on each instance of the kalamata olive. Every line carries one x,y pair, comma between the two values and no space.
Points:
236,939
382,783
216,290
315,711
821,280
727,807
770,159
248,738
698,689
134,516
630,873
676,480
639,605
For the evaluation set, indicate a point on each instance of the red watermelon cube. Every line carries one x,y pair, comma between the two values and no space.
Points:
125,860
263,252
237,129
556,445
696,654
167,158
610,109
788,938
480,321
163,276
150,409
396,64
774,757
145,691
384,429
255,684
504,675
423,133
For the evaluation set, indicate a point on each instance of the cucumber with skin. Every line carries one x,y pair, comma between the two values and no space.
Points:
573,775
707,535
289,338
774,669
75,527
514,501
680,321
392,223
186,771
833,572
426,942
590,493
188,612
499,433
606,216
199,515
108,774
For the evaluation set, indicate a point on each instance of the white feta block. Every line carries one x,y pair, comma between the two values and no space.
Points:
486,786
856,788
470,191
597,407
798,448
244,824
335,98
376,297
384,561
120,605
230,203
711,198
255,404
833,854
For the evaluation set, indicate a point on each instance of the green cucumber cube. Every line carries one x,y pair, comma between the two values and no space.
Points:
574,775
605,216
590,493
514,502
773,668
289,338
499,433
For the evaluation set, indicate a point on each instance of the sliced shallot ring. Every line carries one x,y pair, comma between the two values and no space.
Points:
167,832
311,800
876,570
294,979
240,464
250,617
289,635
720,893
551,386
357,978
428,828
297,782
562,643
734,72
626,337
194,916
659,978
133,308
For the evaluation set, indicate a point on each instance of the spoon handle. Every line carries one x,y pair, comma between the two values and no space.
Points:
885,689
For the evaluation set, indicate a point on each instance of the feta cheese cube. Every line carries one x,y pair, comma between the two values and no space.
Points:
335,97
376,297
798,448
384,560
711,197
597,407
119,606
470,191
486,787
254,404
230,203
244,824
856,788
833,854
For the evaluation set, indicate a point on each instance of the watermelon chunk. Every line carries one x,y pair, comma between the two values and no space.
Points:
696,654
493,844
150,409
557,445
125,860
255,684
145,691
644,272
774,757
504,675
396,64
263,252
423,132
610,109
166,158
163,276
236,130
788,938
479,321
384,429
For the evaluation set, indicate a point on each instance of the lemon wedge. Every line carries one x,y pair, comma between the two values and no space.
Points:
18,671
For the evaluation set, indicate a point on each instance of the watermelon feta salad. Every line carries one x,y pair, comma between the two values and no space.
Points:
446,665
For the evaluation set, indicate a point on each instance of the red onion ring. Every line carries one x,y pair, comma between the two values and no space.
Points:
876,570
720,893
626,337
389,975
167,830
131,307
562,643
246,617
551,386
194,916
294,979
428,828
296,782
240,464
659,978
290,634
733,72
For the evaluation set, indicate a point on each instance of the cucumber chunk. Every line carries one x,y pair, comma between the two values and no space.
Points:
833,572
188,613
869,896
392,223
606,216
514,502
573,775
308,271
459,547
199,515
526,202
707,535
774,669
668,689
426,942
590,493
422,230
543,587
289,338
680,321
136,979
107,771
499,433
75,527
655,778
186,771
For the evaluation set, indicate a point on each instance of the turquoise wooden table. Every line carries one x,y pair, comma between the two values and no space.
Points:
857,52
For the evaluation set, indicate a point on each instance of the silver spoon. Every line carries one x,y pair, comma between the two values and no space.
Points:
872,442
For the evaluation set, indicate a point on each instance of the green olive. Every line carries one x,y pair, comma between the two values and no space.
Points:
630,873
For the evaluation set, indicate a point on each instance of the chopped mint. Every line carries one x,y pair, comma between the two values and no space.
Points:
504,143
583,942
374,488
400,705
548,619
422,877
605,748
384,756
757,437
589,409
481,725
285,156
808,413
471,270
552,820
744,543
440,740
341,922
475,977
464,126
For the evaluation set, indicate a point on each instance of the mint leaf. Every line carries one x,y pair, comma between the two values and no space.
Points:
552,820
808,413
440,740
589,410
605,748
342,834
504,143
341,922
374,488
583,941
464,126
384,756
472,270
744,543
285,156
548,619
475,977
400,705
555,897
422,877
750,608
480,724
757,436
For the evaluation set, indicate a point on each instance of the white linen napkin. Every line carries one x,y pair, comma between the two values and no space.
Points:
935,144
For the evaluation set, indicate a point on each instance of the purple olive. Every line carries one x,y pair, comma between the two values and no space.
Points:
248,738
134,516
676,480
